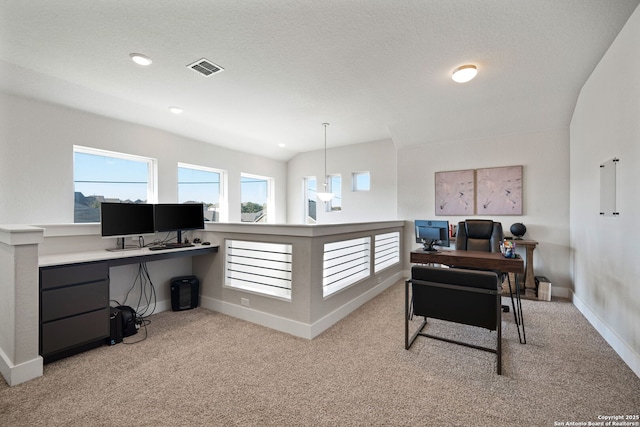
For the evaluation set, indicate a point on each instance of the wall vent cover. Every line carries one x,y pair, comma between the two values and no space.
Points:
205,67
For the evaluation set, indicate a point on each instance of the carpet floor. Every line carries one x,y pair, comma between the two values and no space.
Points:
202,368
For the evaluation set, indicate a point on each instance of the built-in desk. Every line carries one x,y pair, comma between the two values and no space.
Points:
74,295
131,256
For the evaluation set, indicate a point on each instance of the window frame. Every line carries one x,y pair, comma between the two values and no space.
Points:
152,169
222,191
354,181
330,205
270,202
306,198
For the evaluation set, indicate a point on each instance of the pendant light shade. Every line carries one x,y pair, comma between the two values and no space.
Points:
324,195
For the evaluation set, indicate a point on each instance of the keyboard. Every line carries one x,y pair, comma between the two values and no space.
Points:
170,246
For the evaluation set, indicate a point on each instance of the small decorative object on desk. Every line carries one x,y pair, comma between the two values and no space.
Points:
508,248
518,229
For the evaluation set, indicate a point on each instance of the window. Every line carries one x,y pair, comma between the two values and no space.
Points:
360,181
105,176
197,184
256,197
310,201
335,186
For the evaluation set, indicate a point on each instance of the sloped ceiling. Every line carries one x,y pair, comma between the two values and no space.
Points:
374,69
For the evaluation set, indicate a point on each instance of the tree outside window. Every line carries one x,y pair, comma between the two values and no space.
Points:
256,199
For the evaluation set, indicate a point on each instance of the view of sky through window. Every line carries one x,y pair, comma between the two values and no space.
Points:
111,177
254,190
195,185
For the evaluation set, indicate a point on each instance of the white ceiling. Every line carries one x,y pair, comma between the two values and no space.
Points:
374,69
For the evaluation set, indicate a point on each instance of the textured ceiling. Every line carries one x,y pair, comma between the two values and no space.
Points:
374,69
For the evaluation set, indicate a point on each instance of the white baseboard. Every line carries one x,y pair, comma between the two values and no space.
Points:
557,291
23,372
268,320
335,316
628,355
293,327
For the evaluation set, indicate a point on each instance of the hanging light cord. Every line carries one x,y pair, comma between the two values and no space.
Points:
325,156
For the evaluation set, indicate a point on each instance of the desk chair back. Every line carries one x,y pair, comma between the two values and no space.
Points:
456,295
468,297
482,235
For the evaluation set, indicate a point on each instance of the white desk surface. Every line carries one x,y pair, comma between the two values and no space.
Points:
104,255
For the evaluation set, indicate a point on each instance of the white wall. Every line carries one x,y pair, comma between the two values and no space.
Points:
545,159
606,124
36,159
378,204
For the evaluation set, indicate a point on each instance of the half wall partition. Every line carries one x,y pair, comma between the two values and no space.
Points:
299,279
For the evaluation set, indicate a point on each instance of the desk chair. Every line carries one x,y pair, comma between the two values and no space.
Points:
483,235
469,297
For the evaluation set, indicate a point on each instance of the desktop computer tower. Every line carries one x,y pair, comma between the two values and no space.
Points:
184,292
115,326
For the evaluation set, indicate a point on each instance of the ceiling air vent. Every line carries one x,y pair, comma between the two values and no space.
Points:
205,67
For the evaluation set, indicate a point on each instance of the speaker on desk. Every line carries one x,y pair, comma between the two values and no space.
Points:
184,292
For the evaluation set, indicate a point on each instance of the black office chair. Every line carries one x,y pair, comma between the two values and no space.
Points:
482,235
469,297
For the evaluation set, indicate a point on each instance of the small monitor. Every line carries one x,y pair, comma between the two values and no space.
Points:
126,219
179,217
432,233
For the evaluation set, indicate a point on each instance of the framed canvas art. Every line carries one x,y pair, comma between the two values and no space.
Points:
455,192
499,190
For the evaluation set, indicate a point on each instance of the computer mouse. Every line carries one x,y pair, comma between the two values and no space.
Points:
206,243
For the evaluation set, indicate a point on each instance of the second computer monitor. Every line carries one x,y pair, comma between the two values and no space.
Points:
179,217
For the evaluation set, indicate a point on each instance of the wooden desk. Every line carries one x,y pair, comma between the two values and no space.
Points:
481,261
470,259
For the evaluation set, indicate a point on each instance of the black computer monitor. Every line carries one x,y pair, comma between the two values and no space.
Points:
179,217
432,233
121,220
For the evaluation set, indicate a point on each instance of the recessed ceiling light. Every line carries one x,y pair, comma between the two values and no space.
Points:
140,59
175,110
464,73
281,145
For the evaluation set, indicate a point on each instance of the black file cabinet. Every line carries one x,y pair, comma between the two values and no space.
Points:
74,308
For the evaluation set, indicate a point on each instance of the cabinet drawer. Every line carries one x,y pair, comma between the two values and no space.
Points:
73,331
52,277
64,302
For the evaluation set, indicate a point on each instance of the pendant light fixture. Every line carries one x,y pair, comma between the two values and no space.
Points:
325,196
